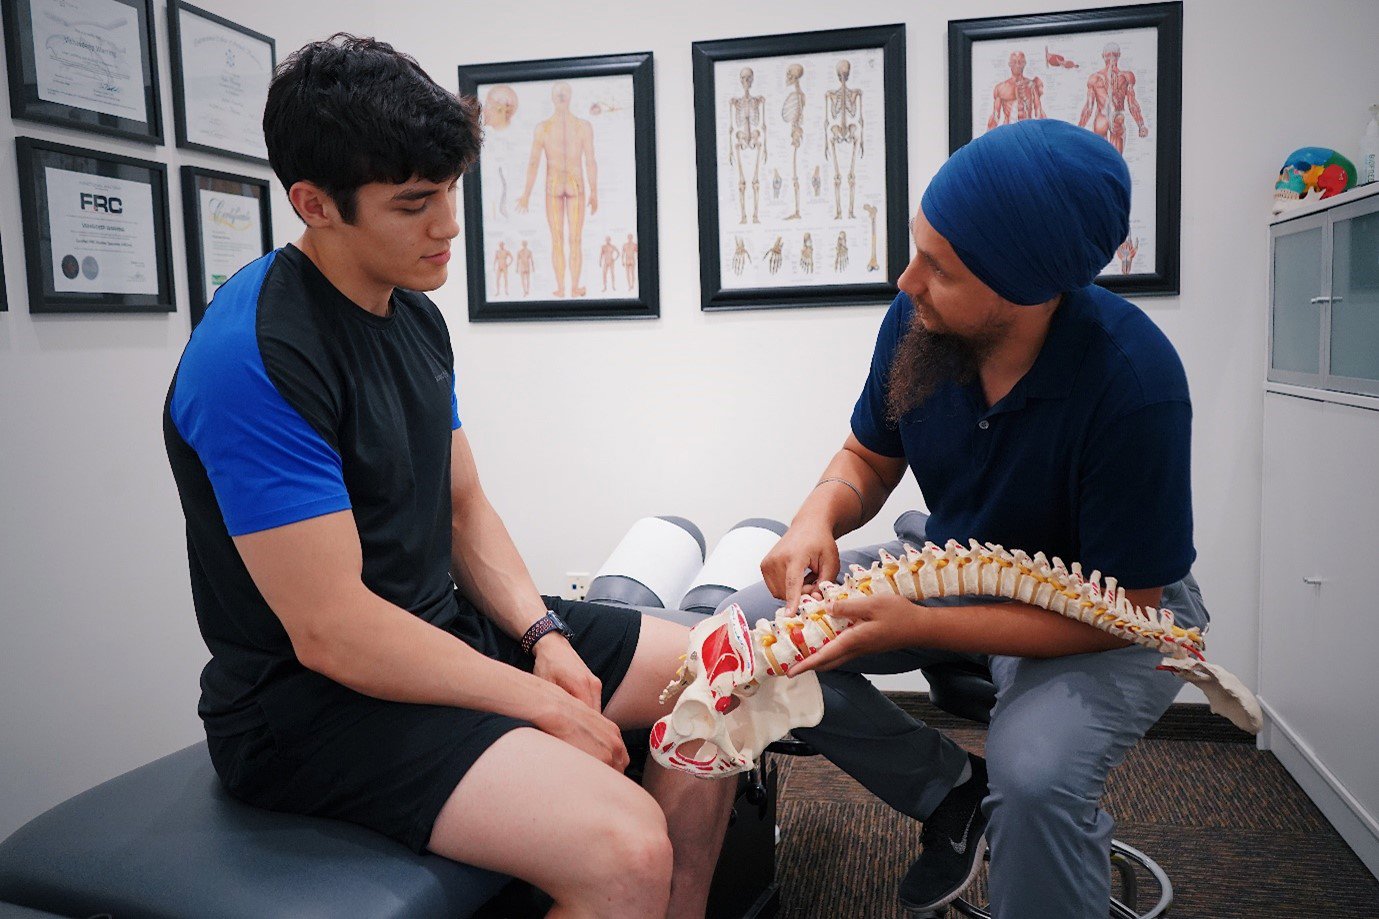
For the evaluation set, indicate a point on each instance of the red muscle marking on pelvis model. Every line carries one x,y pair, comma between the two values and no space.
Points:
718,656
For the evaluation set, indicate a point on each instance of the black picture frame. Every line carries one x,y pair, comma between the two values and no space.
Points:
176,10
4,288
1041,31
196,179
538,306
34,157
889,40
26,103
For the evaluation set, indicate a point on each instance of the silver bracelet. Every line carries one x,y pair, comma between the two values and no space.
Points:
861,504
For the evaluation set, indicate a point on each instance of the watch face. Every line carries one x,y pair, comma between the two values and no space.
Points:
558,623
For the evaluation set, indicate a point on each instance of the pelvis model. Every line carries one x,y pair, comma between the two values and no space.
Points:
733,701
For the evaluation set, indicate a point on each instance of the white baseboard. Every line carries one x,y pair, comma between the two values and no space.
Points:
1357,827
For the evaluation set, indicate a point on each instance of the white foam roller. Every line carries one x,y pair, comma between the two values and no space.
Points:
736,561
659,554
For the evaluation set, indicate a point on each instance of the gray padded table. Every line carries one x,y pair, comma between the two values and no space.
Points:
165,840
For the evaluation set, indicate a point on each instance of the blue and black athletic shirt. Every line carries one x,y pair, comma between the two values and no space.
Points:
291,402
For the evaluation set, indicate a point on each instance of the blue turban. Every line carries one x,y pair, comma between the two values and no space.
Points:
1033,208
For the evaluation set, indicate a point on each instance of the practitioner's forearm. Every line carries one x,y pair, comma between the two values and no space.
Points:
851,492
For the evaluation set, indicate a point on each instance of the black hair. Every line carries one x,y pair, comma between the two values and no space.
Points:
347,111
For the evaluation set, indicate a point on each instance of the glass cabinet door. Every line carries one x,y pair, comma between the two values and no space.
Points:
1295,327
1354,333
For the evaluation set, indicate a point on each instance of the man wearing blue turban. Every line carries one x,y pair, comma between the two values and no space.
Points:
1036,412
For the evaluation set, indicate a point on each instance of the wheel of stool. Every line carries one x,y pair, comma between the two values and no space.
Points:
1124,859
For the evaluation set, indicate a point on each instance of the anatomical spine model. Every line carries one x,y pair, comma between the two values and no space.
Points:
732,703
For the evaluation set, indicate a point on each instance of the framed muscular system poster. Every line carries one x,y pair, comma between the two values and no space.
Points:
560,210
802,168
1116,71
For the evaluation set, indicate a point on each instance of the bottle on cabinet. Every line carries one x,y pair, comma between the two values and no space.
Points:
1369,150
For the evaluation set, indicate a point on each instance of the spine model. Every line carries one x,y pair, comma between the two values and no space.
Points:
727,700
976,570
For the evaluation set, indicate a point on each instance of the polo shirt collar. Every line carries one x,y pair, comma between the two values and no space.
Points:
1055,368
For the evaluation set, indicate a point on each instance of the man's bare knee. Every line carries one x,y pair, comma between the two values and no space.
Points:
627,862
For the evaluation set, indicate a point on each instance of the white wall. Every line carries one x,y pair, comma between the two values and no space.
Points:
581,428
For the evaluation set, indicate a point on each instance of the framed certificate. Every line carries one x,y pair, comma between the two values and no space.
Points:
802,168
220,76
228,226
85,64
95,230
560,209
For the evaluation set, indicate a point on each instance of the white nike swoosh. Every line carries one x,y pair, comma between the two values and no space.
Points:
960,845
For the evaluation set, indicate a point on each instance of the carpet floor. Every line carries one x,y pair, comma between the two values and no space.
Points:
1235,833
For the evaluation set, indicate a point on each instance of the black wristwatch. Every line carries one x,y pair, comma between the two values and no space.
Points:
543,627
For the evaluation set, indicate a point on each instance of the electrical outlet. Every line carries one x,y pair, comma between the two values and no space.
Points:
576,585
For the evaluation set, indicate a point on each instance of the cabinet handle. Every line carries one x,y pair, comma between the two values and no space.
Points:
1315,582
1321,300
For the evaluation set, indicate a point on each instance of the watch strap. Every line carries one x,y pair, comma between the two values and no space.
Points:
541,628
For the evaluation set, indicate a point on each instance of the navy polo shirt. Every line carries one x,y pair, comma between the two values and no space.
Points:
1086,458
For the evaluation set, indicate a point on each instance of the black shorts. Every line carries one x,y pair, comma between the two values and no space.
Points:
329,751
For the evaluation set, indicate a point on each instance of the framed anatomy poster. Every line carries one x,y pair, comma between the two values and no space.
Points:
802,168
1116,71
229,224
85,64
560,210
95,230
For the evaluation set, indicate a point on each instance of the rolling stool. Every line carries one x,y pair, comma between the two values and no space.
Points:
966,690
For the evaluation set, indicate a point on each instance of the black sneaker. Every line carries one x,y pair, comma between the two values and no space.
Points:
954,842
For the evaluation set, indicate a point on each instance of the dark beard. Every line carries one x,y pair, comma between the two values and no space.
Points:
925,360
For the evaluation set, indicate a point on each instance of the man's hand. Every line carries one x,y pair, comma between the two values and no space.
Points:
584,728
557,662
802,547
593,202
882,623
523,203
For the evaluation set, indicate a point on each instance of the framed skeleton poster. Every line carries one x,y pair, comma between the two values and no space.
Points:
560,210
802,168
1115,71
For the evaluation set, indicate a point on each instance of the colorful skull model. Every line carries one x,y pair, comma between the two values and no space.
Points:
1312,172
726,713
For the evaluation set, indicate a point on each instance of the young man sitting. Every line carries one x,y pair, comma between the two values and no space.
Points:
379,651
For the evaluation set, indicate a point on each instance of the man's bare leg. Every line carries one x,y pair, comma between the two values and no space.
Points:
539,809
555,219
696,810
574,212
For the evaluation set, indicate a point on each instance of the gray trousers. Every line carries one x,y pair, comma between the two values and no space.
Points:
1058,728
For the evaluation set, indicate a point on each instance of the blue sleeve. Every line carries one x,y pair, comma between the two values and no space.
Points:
454,405
1135,508
869,424
267,465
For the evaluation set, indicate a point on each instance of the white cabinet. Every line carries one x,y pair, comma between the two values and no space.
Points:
1324,295
1319,607
1319,593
